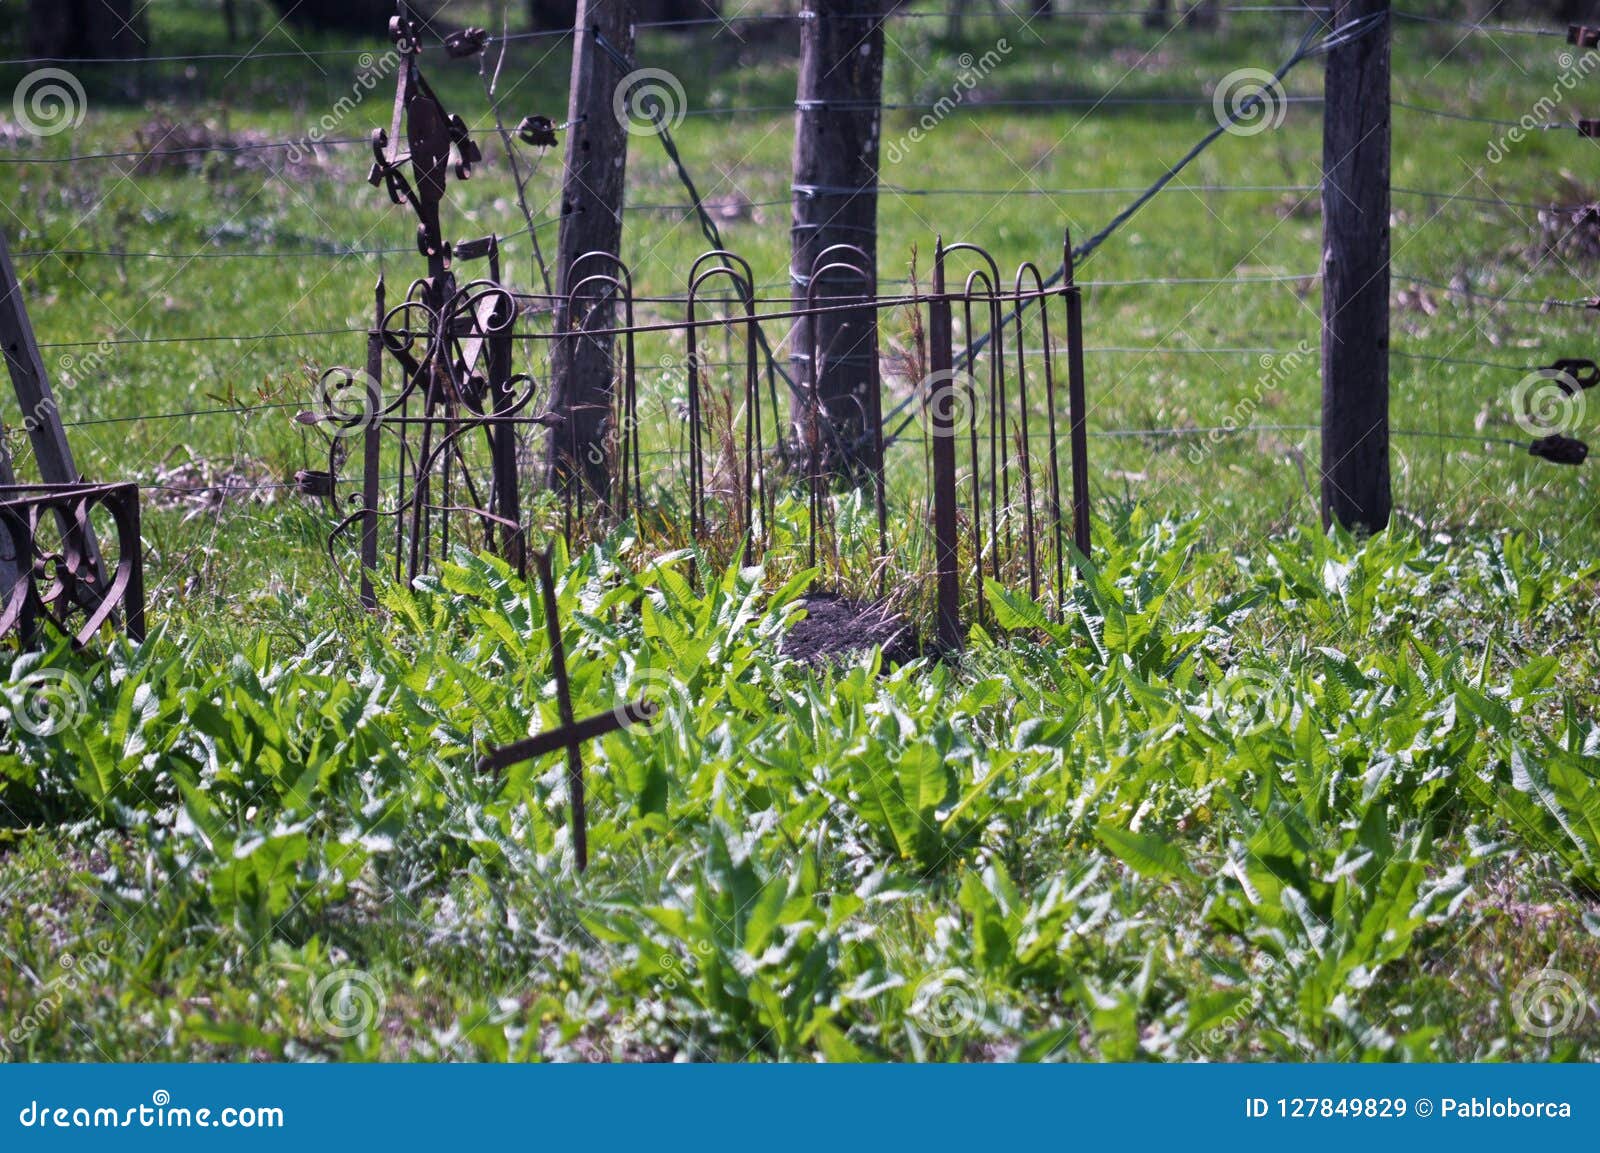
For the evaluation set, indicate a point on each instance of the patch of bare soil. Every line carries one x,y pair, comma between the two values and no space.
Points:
836,627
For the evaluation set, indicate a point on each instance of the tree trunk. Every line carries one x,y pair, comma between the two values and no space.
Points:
68,28
368,16
836,202
1203,14
581,368
547,15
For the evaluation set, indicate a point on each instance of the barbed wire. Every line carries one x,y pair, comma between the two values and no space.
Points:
727,21
309,145
188,150
1491,201
1470,118
1541,302
1308,47
1476,26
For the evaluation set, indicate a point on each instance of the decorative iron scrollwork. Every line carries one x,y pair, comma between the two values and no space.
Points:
62,586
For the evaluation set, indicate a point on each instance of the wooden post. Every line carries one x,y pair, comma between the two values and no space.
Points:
1355,271
837,121
591,221
40,416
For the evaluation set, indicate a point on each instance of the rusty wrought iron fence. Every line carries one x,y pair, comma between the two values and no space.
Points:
71,558
698,440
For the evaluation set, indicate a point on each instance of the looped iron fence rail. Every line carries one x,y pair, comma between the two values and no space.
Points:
708,460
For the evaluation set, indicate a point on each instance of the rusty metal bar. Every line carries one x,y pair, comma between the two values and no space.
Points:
371,446
588,729
1077,405
558,668
505,498
942,412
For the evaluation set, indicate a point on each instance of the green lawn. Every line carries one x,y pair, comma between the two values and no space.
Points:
1264,793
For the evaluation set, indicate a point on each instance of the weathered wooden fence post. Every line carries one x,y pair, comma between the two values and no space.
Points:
838,116
591,221
40,417
1355,273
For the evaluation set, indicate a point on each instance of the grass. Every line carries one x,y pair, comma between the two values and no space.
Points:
1266,794
1335,807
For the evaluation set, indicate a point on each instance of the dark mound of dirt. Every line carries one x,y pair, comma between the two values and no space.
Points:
835,627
